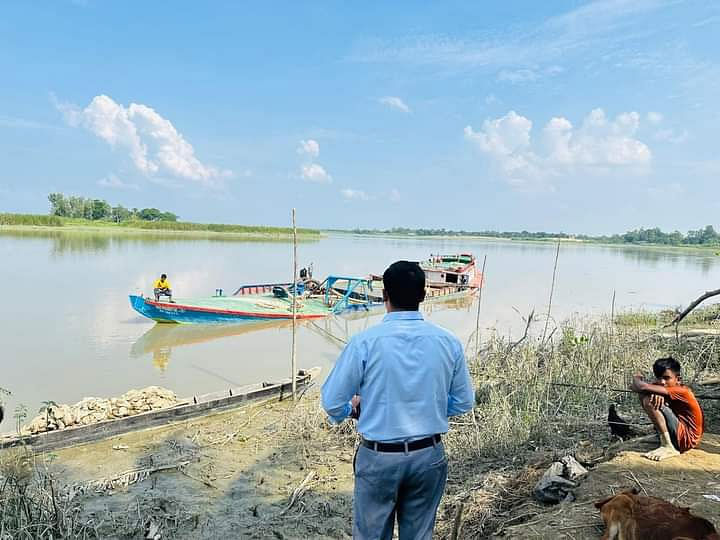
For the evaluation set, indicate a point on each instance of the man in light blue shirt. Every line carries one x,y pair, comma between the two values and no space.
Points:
407,376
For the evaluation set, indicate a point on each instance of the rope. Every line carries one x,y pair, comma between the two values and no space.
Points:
570,385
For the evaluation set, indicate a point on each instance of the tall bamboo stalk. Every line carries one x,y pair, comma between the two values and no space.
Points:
477,321
293,362
552,290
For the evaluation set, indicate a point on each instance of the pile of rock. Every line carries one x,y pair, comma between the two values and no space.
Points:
92,410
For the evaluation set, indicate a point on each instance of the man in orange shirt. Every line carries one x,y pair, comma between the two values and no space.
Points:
673,409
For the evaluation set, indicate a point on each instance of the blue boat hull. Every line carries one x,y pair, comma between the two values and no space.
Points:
182,315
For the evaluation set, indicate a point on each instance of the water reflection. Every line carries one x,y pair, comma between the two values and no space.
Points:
95,241
160,340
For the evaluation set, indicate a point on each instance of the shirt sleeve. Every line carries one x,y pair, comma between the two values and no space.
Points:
343,382
679,393
462,394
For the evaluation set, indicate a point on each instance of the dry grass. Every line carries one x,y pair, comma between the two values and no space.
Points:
522,420
32,503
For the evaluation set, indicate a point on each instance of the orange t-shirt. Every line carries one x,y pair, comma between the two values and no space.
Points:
689,414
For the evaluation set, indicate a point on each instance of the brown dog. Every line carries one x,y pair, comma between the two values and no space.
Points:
629,516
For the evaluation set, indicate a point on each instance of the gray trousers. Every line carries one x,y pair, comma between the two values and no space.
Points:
394,484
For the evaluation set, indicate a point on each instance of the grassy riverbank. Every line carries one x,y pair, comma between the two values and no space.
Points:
12,221
282,471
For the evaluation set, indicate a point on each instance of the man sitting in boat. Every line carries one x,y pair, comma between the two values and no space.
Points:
162,288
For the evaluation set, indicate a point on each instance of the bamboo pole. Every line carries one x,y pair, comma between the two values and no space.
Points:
477,321
552,290
294,312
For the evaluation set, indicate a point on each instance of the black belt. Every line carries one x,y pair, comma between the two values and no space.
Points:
402,447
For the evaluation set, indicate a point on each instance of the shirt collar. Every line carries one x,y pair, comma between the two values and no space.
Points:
403,316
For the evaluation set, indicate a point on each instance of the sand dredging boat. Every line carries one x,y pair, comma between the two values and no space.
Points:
448,276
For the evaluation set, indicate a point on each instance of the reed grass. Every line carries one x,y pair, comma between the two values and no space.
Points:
56,221
213,227
31,220
34,505
700,317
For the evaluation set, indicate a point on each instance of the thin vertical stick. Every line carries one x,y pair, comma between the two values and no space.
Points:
612,309
552,290
294,311
477,321
455,534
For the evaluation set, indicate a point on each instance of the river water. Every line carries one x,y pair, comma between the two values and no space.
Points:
67,330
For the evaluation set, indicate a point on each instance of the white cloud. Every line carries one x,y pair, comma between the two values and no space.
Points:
310,148
527,52
113,182
395,103
671,136
518,76
313,172
152,142
654,117
597,146
394,195
356,194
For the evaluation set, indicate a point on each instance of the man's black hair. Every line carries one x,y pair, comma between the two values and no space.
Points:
404,283
163,276
662,364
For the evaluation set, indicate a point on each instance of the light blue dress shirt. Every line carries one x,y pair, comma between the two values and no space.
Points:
410,374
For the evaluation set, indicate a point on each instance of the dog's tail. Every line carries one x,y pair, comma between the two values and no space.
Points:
633,491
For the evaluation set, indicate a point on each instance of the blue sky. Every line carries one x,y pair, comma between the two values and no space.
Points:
591,117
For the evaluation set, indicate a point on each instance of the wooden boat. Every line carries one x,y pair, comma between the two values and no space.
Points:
191,407
265,302
459,271
447,276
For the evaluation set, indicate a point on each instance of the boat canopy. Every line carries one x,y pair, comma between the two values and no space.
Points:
343,292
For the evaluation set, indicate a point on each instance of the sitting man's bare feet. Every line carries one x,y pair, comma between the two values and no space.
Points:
662,452
665,450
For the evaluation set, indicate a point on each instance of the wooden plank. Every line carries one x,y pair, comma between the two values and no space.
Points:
195,407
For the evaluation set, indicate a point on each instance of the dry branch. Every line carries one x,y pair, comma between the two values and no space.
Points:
298,492
696,303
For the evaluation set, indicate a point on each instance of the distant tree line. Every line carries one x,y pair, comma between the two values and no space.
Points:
445,232
97,209
701,237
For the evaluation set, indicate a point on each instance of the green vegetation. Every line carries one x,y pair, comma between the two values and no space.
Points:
522,235
212,227
700,317
30,219
701,237
81,212
97,209
178,226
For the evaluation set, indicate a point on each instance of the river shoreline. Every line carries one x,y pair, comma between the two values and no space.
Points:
552,241
121,230
279,469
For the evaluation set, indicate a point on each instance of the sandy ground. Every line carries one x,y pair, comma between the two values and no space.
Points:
239,474
682,480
